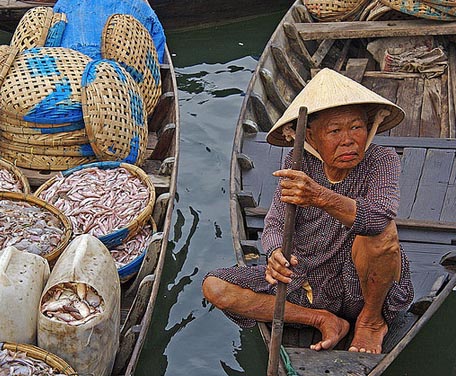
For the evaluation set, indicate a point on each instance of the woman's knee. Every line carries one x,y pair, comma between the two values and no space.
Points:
384,244
216,291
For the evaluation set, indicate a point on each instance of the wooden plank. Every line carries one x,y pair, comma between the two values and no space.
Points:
412,164
262,117
272,91
387,88
415,142
160,113
370,29
286,68
449,203
451,89
161,150
409,97
316,363
433,185
356,68
298,45
431,110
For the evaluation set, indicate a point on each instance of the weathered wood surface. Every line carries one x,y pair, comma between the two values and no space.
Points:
372,29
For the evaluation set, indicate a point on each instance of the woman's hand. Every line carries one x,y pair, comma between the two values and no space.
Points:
278,268
298,188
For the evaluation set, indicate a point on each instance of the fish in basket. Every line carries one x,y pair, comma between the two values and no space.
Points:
110,200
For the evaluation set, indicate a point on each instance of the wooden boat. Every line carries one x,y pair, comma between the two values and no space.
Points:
172,14
139,295
425,142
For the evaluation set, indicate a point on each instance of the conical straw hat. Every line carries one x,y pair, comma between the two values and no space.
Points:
330,89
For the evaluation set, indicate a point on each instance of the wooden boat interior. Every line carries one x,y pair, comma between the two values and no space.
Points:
425,142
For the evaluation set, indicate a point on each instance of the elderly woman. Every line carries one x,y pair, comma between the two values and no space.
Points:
347,263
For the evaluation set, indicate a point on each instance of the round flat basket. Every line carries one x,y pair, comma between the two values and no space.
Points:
84,150
43,162
114,192
138,57
114,114
129,269
335,10
17,125
57,363
63,219
7,56
53,139
43,86
33,28
20,182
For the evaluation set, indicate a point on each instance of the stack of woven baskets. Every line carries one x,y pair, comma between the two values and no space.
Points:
59,108
335,10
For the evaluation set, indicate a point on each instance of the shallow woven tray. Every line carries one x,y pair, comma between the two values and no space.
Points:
43,162
138,56
38,353
44,86
114,113
57,139
335,10
33,28
121,235
7,165
84,150
33,200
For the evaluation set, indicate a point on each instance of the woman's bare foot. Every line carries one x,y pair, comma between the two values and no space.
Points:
332,329
368,336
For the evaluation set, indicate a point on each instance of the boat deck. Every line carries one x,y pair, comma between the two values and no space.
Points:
426,223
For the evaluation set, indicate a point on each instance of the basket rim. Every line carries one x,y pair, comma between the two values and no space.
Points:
5,163
128,231
32,199
40,354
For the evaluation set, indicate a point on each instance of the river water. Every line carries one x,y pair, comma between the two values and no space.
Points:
187,336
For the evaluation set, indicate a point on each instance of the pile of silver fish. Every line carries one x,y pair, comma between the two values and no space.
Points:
72,303
9,182
98,201
19,364
128,251
28,227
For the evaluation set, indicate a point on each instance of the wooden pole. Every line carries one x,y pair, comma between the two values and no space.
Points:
290,214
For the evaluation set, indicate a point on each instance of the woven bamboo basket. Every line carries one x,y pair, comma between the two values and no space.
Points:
33,200
13,124
114,113
138,57
38,353
6,165
53,139
33,28
431,9
84,150
118,236
43,86
335,10
43,162
7,56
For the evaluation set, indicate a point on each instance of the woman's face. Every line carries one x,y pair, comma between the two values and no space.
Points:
340,135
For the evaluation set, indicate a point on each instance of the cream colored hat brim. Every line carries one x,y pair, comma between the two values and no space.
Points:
330,89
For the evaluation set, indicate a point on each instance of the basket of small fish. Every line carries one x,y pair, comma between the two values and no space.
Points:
33,225
128,256
109,200
24,359
12,179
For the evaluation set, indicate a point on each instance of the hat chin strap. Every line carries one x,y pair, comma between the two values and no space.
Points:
379,117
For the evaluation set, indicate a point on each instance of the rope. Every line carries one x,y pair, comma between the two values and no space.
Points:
287,362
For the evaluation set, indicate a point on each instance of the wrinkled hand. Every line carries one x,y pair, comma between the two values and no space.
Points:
278,268
298,188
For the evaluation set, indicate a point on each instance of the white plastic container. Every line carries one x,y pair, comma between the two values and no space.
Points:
22,278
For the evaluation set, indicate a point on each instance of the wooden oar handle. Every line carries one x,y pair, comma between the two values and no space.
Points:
290,215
